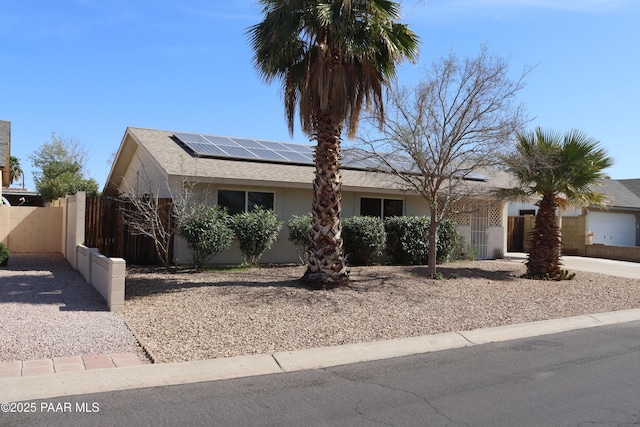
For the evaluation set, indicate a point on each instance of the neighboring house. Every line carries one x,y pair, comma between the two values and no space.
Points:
238,173
5,154
22,197
616,224
632,185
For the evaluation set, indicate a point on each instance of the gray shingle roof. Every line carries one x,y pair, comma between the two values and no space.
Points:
619,193
632,184
176,161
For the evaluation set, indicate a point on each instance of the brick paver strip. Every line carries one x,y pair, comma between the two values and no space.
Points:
37,370
10,365
10,374
40,363
126,359
70,367
100,361
69,360
10,369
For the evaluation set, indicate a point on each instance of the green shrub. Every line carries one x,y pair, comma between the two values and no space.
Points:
364,238
4,255
206,230
300,234
450,242
257,231
408,240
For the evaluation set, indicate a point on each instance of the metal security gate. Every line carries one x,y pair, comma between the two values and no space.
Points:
480,232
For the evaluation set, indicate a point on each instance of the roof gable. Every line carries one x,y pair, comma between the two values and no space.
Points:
179,159
619,195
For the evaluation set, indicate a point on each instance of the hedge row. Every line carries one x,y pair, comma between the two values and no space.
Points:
4,255
209,230
405,239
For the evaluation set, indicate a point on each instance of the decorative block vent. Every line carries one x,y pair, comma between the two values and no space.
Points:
495,216
461,213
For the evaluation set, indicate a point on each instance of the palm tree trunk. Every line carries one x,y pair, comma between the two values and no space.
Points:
544,256
326,263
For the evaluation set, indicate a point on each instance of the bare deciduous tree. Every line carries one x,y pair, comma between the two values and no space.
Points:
147,215
439,136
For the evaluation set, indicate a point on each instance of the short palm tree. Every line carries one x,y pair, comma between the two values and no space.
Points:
15,170
561,170
334,57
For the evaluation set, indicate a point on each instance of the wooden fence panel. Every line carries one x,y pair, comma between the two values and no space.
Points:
105,229
515,234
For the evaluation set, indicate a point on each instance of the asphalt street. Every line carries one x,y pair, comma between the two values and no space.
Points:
583,377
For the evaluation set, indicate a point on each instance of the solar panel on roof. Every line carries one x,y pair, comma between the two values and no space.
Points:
265,154
298,148
247,143
274,145
239,152
208,149
220,140
296,157
270,151
190,137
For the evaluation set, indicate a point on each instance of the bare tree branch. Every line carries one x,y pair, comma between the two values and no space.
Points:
441,136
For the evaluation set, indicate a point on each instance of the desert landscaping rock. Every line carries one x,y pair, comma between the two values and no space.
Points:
45,314
193,316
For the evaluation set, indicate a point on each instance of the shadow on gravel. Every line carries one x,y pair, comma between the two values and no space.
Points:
142,287
47,279
477,273
141,284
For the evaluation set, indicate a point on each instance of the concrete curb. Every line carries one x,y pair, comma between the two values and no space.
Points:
103,380
325,357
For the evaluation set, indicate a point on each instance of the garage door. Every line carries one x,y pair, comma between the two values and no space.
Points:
617,229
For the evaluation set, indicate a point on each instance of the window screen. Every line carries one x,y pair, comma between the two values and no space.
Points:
232,200
370,207
381,208
393,207
256,198
240,201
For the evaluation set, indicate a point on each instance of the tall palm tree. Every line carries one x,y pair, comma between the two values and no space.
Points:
15,170
333,57
561,170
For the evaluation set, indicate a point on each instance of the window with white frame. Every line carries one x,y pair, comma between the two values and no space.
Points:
237,201
381,207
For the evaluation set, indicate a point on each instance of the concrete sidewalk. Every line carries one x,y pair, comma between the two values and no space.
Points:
594,265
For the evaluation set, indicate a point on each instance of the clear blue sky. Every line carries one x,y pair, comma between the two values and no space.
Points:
87,69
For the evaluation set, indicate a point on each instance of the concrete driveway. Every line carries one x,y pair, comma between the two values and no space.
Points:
594,265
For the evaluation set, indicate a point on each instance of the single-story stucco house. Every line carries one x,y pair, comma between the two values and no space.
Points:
238,173
616,224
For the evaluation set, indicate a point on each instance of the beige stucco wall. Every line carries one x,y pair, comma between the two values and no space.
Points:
143,176
292,201
574,234
288,202
31,229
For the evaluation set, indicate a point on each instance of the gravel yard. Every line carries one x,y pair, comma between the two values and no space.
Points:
189,316
48,310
